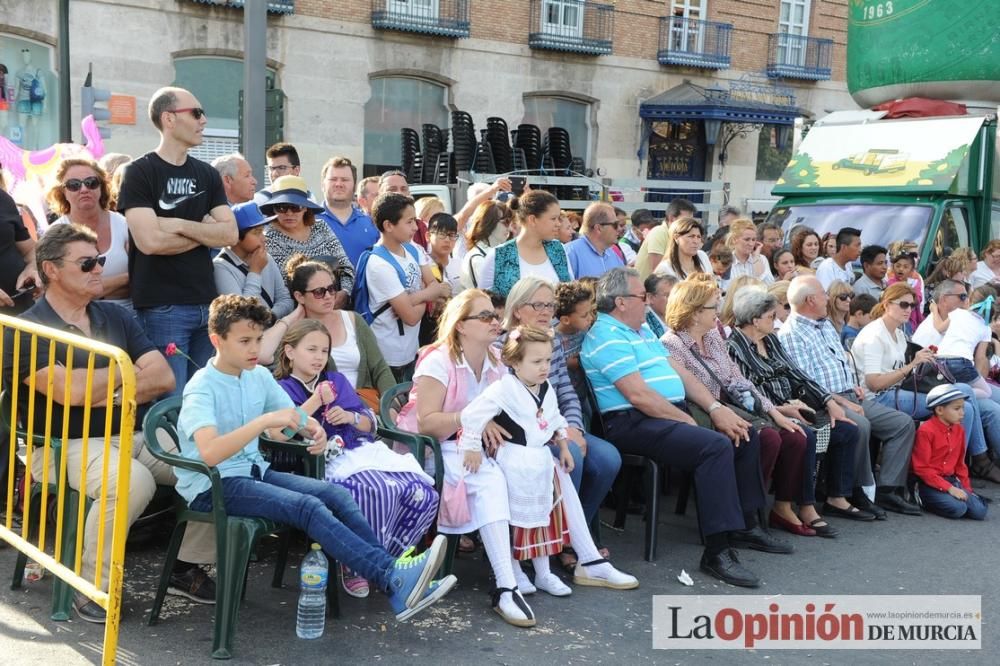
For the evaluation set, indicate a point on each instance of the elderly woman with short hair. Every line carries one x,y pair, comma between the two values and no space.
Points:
758,352
787,452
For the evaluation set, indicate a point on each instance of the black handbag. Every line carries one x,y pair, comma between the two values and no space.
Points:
924,376
758,419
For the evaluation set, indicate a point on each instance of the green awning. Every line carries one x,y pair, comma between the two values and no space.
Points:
913,155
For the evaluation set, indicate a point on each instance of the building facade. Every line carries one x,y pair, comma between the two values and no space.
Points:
644,88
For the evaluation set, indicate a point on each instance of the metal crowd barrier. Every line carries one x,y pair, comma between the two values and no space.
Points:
58,548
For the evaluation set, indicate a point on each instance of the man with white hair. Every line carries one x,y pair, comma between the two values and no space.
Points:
237,178
813,343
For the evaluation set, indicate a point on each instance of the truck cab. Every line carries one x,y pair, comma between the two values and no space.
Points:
927,180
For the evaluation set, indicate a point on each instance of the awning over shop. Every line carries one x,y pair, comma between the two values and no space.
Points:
745,101
924,155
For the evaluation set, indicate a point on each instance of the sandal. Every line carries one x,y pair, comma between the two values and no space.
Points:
529,618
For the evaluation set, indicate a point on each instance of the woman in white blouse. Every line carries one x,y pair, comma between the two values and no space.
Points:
880,354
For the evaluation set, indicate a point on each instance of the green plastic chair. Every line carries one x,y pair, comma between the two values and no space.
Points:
62,593
235,536
392,401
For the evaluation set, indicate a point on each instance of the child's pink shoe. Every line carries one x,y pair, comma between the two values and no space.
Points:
354,585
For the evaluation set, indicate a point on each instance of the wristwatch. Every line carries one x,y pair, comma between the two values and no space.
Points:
116,398
714,406
357,419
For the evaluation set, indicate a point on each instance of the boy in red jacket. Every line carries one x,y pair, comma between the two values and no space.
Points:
939,458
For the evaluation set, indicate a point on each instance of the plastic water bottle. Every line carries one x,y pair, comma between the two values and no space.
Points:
313,576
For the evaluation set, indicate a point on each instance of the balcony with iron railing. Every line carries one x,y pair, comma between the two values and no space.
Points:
798,57
273,6
694,43
576,26
445,18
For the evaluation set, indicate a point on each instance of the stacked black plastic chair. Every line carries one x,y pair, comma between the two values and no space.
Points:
411,158
484,162
463,135
529,139
496,135
435,143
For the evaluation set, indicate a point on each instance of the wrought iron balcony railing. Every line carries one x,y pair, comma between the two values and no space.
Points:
797,57
694,43
445,18
577,26
273,6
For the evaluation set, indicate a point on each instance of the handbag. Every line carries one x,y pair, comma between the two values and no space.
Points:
369,396
757,419
37,91
453,510
925,376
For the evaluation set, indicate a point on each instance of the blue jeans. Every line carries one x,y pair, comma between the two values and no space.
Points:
593,474
990,413
945,505
915,404
324,511
187,327
963,370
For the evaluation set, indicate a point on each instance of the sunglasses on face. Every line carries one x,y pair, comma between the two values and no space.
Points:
287,208
962,297
843,297
905,305
321,292
486,316
87,264
196,112
90,182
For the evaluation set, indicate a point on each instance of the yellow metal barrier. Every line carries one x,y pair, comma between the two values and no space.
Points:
31,434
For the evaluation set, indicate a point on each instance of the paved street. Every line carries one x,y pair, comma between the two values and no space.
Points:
905,555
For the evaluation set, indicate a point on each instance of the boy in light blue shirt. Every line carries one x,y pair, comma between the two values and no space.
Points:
227,406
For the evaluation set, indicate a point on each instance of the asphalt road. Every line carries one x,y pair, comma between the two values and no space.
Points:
904,555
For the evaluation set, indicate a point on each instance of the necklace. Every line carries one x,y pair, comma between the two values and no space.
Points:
538,399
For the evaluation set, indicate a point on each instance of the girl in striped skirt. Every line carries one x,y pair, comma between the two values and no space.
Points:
395,495
544,507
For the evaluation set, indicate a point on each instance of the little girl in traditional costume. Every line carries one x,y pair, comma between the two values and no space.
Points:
545,510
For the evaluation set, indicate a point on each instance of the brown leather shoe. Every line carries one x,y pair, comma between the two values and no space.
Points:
984,468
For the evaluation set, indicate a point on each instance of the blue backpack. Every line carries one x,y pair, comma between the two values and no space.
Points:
362,304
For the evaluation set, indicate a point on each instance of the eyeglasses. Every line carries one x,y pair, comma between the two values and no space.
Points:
639,296
905,305
843,297
539,306
486,316
196,112
90,182
962,297
287,208
788,307
87,264
279,168
321,292
445,236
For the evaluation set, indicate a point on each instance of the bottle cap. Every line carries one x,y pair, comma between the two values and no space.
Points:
316,546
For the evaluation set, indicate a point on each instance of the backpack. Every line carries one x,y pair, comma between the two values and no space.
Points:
362,303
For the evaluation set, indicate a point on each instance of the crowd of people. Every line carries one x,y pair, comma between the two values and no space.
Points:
753,360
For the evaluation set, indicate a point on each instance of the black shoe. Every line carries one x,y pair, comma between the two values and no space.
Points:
726,567
88,610
893,502
758,539
861,501
853,513
193,584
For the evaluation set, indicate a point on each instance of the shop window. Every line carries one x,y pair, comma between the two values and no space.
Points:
570,114
29,104
397,102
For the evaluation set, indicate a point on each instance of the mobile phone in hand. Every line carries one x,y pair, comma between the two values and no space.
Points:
23,291
517,185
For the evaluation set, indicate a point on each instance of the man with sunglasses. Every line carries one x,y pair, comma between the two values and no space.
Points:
70,268
176,210
593,255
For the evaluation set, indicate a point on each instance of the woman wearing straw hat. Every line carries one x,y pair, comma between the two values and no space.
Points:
295,232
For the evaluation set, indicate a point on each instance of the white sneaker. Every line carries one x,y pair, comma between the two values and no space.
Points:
511,606
602,574
524,584
550,583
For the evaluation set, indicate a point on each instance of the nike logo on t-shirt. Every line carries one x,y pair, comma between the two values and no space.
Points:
177,201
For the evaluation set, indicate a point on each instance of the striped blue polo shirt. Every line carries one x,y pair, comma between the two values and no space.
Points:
612,350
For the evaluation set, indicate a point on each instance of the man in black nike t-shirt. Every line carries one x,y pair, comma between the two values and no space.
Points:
176,210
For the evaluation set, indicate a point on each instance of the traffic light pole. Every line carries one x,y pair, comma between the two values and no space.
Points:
254,81
65,101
